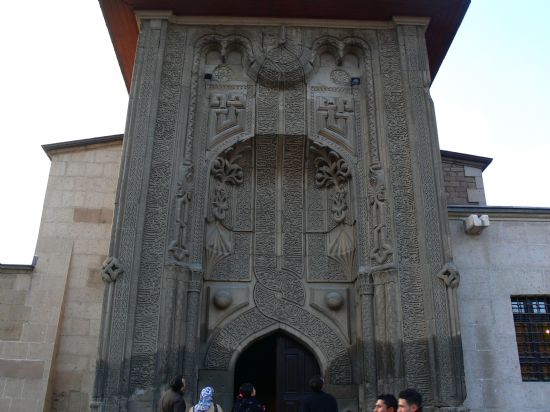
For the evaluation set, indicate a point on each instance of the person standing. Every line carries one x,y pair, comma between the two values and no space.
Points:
410,400
206,402
172,400
319,401
385,403
246,400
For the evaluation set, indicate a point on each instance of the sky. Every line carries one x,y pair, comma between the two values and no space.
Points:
60,81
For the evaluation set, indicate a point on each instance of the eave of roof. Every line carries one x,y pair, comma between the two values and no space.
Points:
468,158
445,18
501,212
48,148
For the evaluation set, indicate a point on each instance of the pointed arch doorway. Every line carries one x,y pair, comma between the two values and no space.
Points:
279,367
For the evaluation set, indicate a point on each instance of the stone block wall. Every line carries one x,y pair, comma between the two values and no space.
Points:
51,316
13,311
463,183
16,369
510,257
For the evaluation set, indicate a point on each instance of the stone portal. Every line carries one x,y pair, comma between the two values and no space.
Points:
280,368
280,178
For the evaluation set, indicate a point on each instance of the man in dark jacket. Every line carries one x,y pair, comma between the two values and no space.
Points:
172,400
319,401
410,400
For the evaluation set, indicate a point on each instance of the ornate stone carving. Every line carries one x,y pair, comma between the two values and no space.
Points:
365,288
225,168
226,172
278,216
143,369
222,299
416,353
332,172
178,247
207,42
450,276
340,77
111,269
222,73
451,279
334,300
334,303
279,292
335,116
228,114
381,250
280,73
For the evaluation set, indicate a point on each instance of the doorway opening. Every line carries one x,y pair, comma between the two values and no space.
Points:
279,367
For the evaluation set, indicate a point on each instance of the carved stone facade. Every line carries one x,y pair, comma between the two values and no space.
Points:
280,178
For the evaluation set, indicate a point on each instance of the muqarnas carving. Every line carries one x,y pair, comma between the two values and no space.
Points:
226,173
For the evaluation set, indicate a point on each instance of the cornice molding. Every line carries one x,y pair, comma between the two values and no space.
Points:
265,21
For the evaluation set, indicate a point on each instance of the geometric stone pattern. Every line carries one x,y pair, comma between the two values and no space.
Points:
251,159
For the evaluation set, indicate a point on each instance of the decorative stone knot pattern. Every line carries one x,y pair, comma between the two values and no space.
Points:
341,77
381,251
281,68
335,114
228,114
178,247
111,270
450,276
222,73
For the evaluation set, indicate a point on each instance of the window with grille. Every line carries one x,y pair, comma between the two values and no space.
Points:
532,323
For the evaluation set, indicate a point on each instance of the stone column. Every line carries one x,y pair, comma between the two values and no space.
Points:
191,349
370,388
120,351
433,328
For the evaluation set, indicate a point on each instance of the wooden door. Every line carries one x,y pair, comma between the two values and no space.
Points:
295,366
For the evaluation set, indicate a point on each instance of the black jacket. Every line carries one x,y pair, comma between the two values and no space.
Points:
172,401
248,405
319,402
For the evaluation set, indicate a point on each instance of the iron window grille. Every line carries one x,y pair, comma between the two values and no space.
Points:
532,324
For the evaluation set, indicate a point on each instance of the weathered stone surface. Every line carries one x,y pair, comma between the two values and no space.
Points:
21,369
253,164
88,215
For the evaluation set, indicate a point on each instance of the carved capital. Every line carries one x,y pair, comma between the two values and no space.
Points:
111,269
365,284
195,286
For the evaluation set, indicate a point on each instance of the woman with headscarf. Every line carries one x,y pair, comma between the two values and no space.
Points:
246,400
206,402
